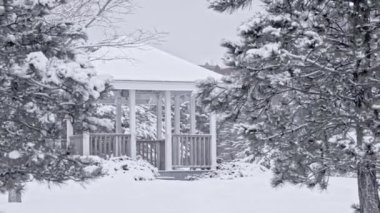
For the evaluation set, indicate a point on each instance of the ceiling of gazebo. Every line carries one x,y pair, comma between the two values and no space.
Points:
146,64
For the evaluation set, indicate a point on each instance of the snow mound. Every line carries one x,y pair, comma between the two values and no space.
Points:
233,170
124,167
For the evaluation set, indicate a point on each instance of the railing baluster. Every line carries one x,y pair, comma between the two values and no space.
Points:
197,151
177,161
91,146
201,161
142,149
181,150
204,151
200,156
209,151
125,144
109,145
121,148
188,153
189,150
174,151
106,146
96,142
114,144
184,150
178,150
149,152
151,147
101,149
138,146
194,151
145,150
110,141
103,145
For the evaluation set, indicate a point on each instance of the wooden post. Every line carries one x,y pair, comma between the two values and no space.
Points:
132,122
162,155
159,116
69,132
213,140
117,122
168,132
86,144
193,122
14,196
177,114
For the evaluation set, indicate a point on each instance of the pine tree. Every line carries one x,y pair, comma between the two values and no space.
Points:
307,90
43,80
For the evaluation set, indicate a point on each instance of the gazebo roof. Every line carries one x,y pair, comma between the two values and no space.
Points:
148,68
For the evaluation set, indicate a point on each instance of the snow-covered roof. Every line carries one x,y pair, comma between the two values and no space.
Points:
148,64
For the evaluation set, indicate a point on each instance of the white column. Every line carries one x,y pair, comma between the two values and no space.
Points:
193,122
132,122
118,112
213,140
168,132
118,122
86,143
69,131
159,116
177,114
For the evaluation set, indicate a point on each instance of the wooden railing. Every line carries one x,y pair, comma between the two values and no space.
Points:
152,151
109,144
192,151
102,144
76,144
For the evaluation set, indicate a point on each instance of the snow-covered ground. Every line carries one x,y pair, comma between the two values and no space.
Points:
120,193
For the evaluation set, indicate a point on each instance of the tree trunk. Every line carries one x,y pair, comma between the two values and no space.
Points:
368,188
14,196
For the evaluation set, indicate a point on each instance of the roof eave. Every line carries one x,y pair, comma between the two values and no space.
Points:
154,85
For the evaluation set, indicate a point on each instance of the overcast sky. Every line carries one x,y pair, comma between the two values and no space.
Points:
194,31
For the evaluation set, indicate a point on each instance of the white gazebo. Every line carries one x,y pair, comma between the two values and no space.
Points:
148,72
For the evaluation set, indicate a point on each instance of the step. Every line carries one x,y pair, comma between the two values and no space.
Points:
165,178
180,174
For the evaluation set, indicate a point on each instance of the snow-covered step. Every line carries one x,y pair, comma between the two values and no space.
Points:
165,178
180,174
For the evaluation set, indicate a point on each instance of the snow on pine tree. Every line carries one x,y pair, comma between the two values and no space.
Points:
307,91
43,79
